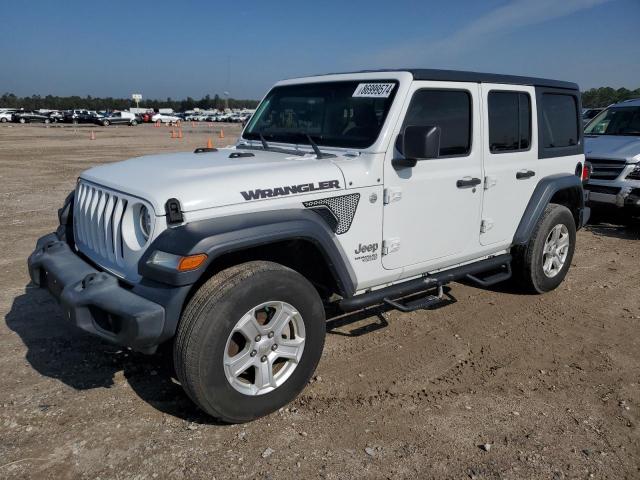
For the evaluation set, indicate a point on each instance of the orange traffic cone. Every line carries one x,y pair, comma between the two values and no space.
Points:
221,133
173,133
180,133
92,136
209,143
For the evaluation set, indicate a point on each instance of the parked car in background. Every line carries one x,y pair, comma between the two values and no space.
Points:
6,116
25,116
118,118
165,118
56,116
81,116
612,149
589,113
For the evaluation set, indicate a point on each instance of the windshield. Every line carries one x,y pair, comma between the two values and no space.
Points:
334,114
616,121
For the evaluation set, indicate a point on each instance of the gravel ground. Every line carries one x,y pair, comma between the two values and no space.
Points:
495,385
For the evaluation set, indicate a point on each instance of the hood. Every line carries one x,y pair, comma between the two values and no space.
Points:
212,179
613,147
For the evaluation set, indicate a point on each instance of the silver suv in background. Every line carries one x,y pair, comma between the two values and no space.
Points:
612,149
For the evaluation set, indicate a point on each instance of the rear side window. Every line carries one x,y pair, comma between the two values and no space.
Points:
559,117
448,109
509,121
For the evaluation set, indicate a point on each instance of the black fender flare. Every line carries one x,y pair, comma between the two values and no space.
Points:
545,190
221,235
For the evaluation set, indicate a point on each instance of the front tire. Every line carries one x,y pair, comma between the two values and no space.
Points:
105,123
249,340
542,264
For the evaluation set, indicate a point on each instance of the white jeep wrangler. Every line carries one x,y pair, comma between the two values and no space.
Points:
347,190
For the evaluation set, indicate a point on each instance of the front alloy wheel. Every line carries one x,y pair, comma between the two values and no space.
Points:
249,340
264,348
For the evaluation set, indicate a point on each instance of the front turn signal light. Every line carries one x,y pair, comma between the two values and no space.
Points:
191,262
172,261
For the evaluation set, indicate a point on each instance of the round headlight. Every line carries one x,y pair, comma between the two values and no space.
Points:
145,221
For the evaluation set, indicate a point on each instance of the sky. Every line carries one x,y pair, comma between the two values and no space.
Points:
192,48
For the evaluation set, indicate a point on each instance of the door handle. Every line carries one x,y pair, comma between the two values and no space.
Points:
522,174
468,182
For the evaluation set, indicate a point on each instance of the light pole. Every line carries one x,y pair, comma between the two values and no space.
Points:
136,98
226,100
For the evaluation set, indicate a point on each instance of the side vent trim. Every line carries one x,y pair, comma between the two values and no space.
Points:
342,207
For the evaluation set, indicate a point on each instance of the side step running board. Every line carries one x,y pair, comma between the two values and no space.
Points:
470,271
497,277
428,302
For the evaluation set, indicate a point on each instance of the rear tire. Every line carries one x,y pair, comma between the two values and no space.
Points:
541,265
23,120
236,311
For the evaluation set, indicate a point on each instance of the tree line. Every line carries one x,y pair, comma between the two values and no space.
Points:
54,102
595,97
605,96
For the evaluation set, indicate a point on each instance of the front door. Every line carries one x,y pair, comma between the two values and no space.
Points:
432,210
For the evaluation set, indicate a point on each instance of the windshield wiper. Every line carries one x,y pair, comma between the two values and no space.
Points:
317,151
265,145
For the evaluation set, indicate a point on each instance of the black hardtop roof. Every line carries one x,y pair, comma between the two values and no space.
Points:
476,77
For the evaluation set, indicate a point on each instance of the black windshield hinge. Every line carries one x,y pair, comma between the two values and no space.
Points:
174,211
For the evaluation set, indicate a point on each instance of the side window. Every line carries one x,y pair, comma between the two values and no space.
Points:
509,121
448,109
559,116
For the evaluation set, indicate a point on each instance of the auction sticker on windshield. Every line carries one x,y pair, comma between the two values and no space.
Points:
374,90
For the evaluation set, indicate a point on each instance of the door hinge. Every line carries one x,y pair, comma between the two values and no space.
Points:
486,225
392,195
490,181
390,245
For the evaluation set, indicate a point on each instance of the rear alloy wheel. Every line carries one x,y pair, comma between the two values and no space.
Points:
47,121
23,120
105,123
556,249
541,265
249,340
3,120
134,123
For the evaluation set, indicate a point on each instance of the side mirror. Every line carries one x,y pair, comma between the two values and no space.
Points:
418,143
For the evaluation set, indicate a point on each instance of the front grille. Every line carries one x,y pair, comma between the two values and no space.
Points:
606,169
97,218
105,228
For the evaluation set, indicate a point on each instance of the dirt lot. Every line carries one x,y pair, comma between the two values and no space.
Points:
551,383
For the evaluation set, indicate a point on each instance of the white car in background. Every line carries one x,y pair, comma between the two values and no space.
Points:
6,116
165,118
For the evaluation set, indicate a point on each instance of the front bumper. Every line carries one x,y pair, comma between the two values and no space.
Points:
96,301
624,197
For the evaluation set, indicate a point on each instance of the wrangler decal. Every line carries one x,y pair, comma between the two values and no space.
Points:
289,189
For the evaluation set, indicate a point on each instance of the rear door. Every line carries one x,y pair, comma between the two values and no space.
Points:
432,210
510,159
